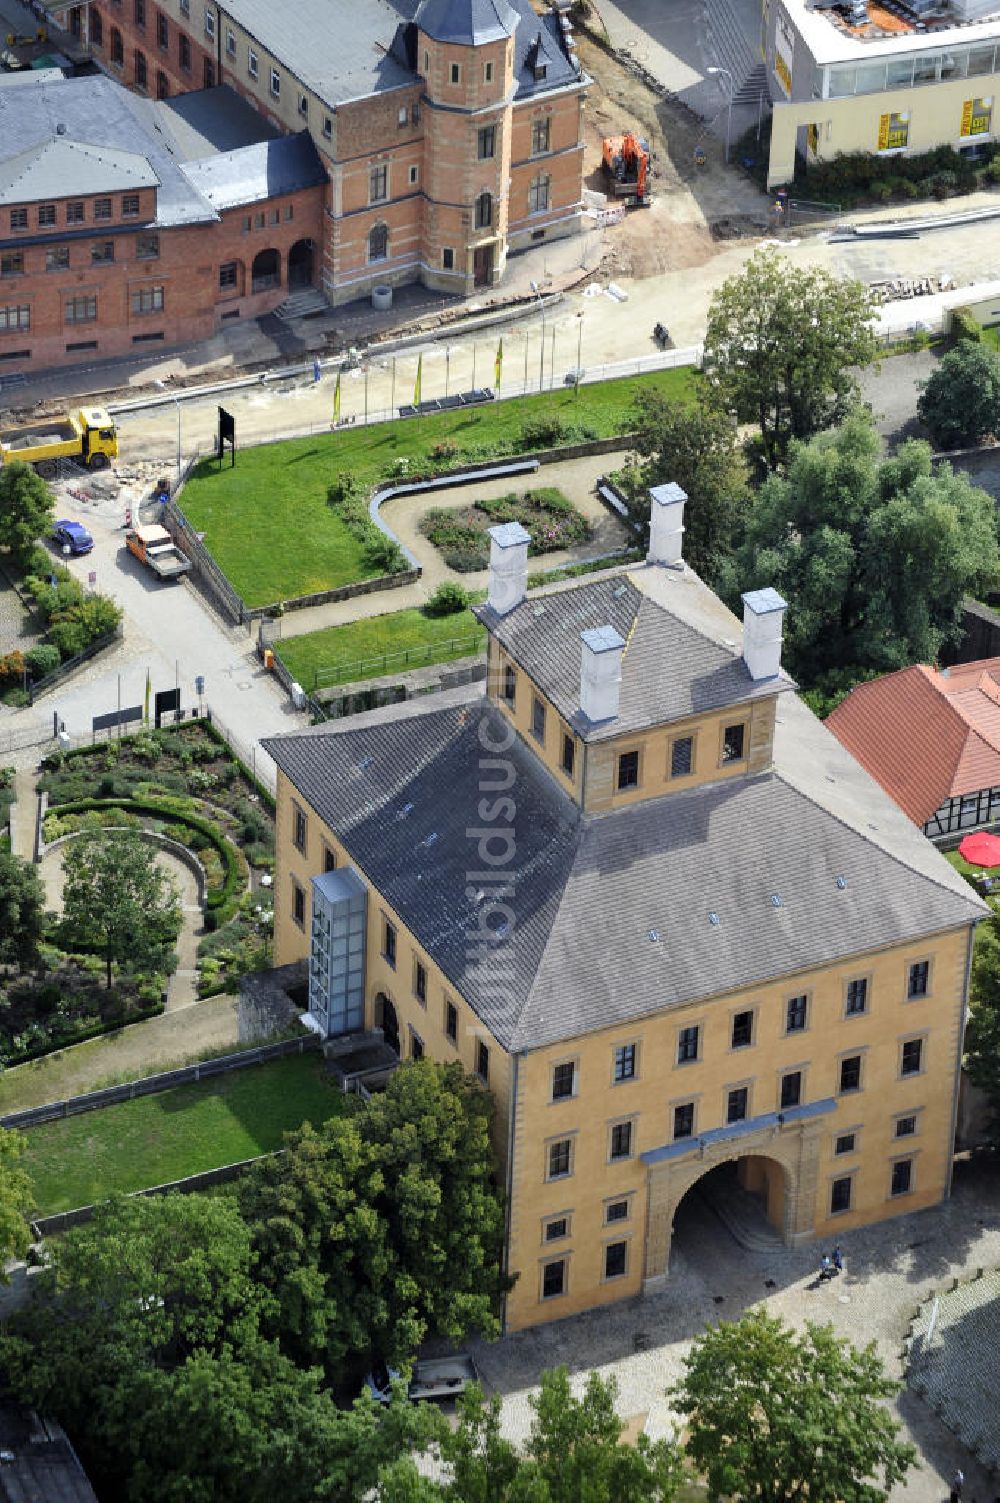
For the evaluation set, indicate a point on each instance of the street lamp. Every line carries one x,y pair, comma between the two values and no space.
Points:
729,112
177,403
541,363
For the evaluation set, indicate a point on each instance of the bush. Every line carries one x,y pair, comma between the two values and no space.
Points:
965,326
42,660
540,433
384,555
12,666
960,403
449,598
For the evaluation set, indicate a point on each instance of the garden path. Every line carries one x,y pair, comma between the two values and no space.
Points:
22,815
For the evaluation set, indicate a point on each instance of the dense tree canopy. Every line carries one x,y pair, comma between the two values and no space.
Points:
982,1034
873,555
17,1200
25,510
775,1416
782,347
117,899
960,403
22,910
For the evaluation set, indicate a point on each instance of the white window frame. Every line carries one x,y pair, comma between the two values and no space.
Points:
253,67
210,23
275,85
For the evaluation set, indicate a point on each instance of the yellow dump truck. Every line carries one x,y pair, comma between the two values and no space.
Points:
87,435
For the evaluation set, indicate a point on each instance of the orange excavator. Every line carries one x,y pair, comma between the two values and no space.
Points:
626,162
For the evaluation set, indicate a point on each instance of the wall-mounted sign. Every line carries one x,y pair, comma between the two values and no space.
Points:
784,53
893,131
977,117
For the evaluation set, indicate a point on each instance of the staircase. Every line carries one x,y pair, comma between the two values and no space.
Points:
734,50
752,87
307,303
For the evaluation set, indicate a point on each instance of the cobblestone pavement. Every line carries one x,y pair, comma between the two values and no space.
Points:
890,1270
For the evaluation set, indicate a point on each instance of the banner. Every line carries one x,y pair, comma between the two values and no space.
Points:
145,702
336,401
498,365
893,131
784,53
419,381
977,116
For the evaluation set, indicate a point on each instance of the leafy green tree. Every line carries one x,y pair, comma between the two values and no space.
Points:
782,346
26,512
775,1416
960,403
693,444
22,910
117,899
982,1033
873,556
17,1200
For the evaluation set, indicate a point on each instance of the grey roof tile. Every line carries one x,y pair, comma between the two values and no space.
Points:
53,168
255,173
466,23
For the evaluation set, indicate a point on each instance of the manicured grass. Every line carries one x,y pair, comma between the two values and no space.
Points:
267,521
391,643
991,336
156,1139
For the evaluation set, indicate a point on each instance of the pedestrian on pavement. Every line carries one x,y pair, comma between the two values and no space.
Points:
957,1483
838,1259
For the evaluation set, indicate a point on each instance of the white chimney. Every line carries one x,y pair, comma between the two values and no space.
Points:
508,566
763,617
666,524
601,672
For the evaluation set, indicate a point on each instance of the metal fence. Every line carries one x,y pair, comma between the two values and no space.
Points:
210,575
257,763
391,662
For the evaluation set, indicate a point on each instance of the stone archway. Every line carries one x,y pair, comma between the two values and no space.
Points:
781,1163
266,270
300,265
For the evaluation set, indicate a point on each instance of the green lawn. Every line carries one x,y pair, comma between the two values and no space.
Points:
156,1139
391,643
267,521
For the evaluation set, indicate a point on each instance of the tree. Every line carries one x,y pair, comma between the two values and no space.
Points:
26,510
17,1200
781,348
982,1033
22,910
775,1416
960,403
873,556
693,444
117,899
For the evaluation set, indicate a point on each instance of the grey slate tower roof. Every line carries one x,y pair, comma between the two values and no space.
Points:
467,23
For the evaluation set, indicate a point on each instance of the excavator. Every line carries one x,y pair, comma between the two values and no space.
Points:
626,162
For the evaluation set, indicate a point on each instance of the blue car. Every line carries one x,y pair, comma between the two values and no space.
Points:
72,535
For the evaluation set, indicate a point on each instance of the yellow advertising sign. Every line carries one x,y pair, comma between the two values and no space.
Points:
784,52
977,117
812,136
893,131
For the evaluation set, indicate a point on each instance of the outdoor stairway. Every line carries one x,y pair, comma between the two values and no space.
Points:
732,49
305,304
751,89
741,1213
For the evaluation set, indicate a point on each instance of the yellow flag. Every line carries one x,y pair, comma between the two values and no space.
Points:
498,365
145,705
336,401
417,387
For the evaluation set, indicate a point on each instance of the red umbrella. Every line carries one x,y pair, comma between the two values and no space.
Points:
981,849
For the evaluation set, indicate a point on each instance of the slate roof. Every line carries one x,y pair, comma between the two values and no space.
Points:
53,168
466,23
671,667
926,735
611,913
255,173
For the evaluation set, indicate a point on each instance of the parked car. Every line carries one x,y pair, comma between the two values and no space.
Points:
72,535
437,1378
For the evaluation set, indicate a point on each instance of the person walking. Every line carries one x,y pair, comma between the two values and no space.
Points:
838,1259
957,1483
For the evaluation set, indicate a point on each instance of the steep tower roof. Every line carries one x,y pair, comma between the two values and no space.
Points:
467,23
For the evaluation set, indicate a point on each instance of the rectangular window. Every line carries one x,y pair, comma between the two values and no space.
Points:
416,1046
687,1044
624,1063
80,310
680,756
538,195
228,274
628,770
845,1143
102,208
147,247
560,1158
447,259
300,829
456,73
906,1126
15,317
414,175
185,7
329,859
840,1195
378,184
298,904
230,42
389,943
850,1074
857,997
184,52
147,300
275,84
733,738
684,1120
130,206
46,215
556,1229
273,216
487,142
19,219
615,1260
563,1081
911,1057
795,1014
258,221
482,1062
162,31
420,983
902,1177
451,1021
102,252
327,127
919,976
568,759
737,1103
742,1030
402,116
537,719
616,1210
487,73
57,258
140,12
76,212
210,23
540,130
621,1141
554,1279
252,64
791,1089
11,264
509,684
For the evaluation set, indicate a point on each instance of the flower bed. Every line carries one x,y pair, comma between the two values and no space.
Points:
462,537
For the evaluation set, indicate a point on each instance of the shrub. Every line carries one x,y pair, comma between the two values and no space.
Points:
445,451
965,326
42,660
447,599
542,432
384,555
12,666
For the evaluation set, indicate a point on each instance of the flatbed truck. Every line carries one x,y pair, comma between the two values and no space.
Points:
87,435
154,547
